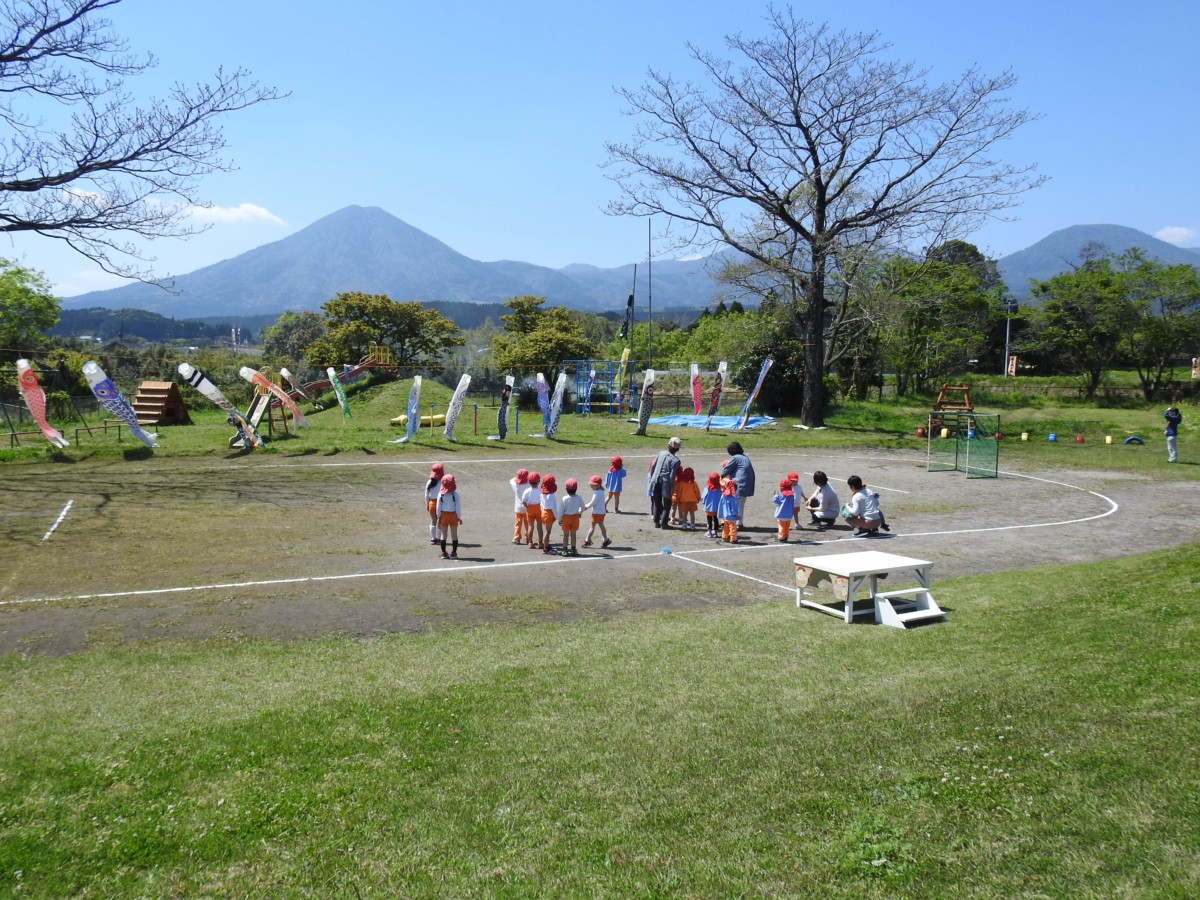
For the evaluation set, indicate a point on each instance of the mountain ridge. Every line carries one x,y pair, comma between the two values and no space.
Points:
368,249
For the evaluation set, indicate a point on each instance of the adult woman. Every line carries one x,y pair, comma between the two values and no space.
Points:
739,468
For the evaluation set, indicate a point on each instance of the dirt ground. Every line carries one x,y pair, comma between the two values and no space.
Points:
290,548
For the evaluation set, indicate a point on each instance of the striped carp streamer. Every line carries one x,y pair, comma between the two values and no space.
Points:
697,390
35,399
456,405
413,410
113,401
621,380
766,367
717,390
291,379
339,391
502,413
556,404
259,380
543,399
647,406
201,382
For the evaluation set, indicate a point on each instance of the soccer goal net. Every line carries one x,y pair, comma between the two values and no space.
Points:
964,442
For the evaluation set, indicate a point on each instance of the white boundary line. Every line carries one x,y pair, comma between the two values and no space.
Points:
62,515
1113,507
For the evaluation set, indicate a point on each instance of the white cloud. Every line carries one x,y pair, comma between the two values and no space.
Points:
243,212
1179,235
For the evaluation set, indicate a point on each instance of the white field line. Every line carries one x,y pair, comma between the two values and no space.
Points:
1113,507
62,515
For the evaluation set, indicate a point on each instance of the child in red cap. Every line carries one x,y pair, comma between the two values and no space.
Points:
520,515
572,508
596,505
689,498
712,504
432,488
533,510
729,511
613,482
785,508
549,505
449,513
794,479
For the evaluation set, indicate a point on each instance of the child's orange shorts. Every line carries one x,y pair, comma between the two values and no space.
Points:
570,522
548,517
447,519
431,506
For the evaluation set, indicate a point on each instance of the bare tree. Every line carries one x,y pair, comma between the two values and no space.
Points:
80,160
815,137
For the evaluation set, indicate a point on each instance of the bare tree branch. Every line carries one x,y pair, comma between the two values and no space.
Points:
814,136
90,165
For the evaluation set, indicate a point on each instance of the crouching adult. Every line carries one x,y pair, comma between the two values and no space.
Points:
862,510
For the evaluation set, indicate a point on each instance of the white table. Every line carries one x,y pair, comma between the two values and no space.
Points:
849,573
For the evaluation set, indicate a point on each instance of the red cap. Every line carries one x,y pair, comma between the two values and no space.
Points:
437,470
793,478
572,485
549,485
785,486
730,489
595,481
534,478
448,484
522,476
688,475
714,481
617,462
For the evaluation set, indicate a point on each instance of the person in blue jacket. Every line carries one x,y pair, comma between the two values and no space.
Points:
739,468
1173,417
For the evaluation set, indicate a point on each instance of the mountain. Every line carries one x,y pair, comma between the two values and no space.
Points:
1059,252
369,250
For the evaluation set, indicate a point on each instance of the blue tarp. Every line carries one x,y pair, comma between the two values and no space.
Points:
682,421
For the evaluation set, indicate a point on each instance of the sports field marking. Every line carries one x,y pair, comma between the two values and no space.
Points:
62,515
1113,507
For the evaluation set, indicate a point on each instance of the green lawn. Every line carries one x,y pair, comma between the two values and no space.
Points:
1042,742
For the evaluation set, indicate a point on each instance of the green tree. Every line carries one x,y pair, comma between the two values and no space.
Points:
27,308
938,314
837,149
414,333
284,341
537,339
1168,329
1085,318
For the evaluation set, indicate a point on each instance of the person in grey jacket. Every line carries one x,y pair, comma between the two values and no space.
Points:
741,470
662,482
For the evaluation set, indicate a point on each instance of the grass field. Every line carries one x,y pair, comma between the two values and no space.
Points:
1042,742
738,752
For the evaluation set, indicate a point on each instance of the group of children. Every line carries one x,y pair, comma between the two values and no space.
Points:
537,507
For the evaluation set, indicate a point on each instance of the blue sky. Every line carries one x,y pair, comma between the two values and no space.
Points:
484,124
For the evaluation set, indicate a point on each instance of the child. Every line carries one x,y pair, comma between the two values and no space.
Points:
794,479
596,505
613,482
549,505
823,503
572,507
533,510
449,513
712,501
432,488
520,514
785,508
729,509
675,520
689,498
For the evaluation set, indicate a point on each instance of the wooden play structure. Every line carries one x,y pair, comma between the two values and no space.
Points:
959,403
160,403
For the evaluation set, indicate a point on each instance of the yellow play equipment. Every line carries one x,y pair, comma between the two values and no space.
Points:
426,421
